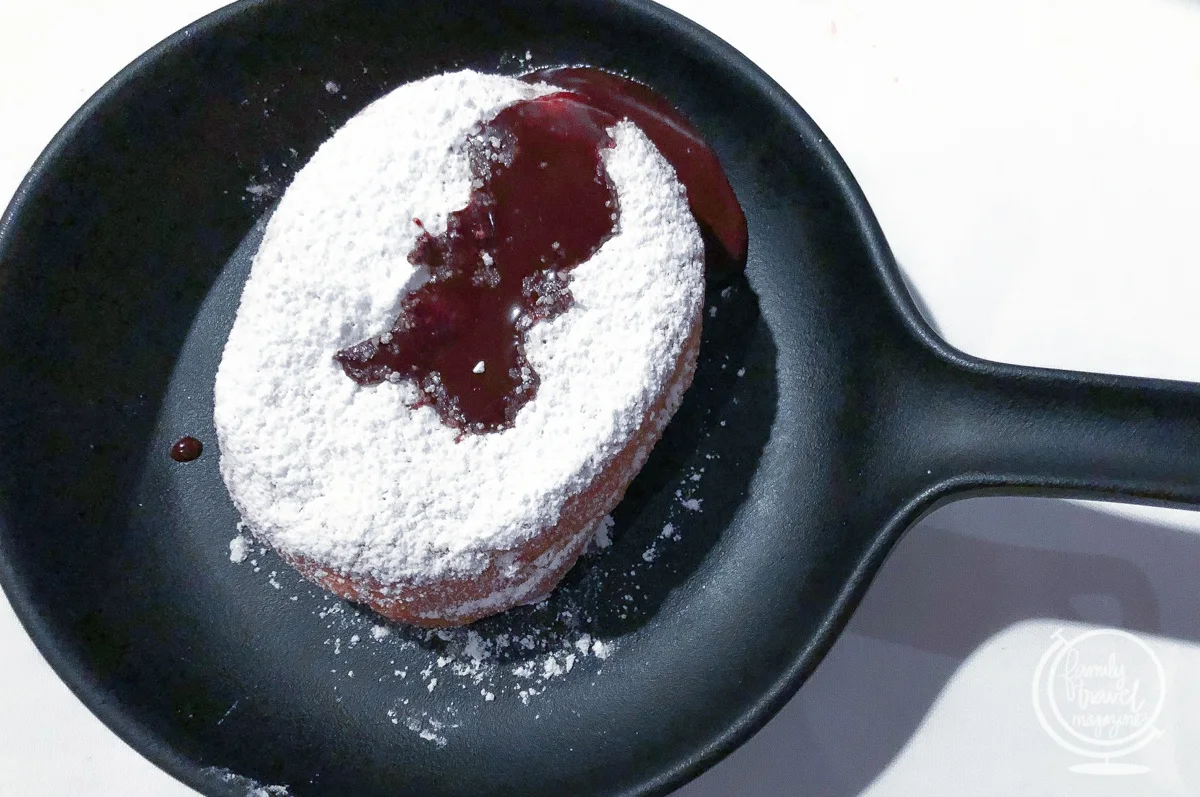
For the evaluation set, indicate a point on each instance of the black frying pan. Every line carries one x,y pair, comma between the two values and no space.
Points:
121,259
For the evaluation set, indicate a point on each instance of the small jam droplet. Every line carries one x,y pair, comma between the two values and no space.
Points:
186,449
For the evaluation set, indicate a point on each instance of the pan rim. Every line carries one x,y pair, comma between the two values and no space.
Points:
117,718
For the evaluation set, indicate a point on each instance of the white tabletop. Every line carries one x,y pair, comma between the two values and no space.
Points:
1035,167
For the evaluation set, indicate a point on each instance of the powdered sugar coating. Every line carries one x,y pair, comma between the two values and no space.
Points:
353,477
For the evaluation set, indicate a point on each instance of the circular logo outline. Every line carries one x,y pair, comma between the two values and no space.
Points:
1147,733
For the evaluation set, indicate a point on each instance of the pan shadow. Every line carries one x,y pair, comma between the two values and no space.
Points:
958,578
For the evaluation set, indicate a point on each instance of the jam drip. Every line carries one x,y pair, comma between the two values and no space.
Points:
542,204
713,203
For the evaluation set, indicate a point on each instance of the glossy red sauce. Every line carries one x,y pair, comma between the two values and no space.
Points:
711,197
542,205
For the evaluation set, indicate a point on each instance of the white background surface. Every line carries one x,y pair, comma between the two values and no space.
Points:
1035,166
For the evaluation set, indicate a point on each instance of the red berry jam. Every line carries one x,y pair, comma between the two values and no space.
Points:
542,204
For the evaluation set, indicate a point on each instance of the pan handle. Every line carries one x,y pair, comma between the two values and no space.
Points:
1046,431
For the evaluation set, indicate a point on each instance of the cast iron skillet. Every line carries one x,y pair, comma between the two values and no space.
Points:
121,258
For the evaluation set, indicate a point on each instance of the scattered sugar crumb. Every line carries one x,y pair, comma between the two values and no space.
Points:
237,549
475,648
253,788
261,190
692,504
430,736
603,537
331,87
